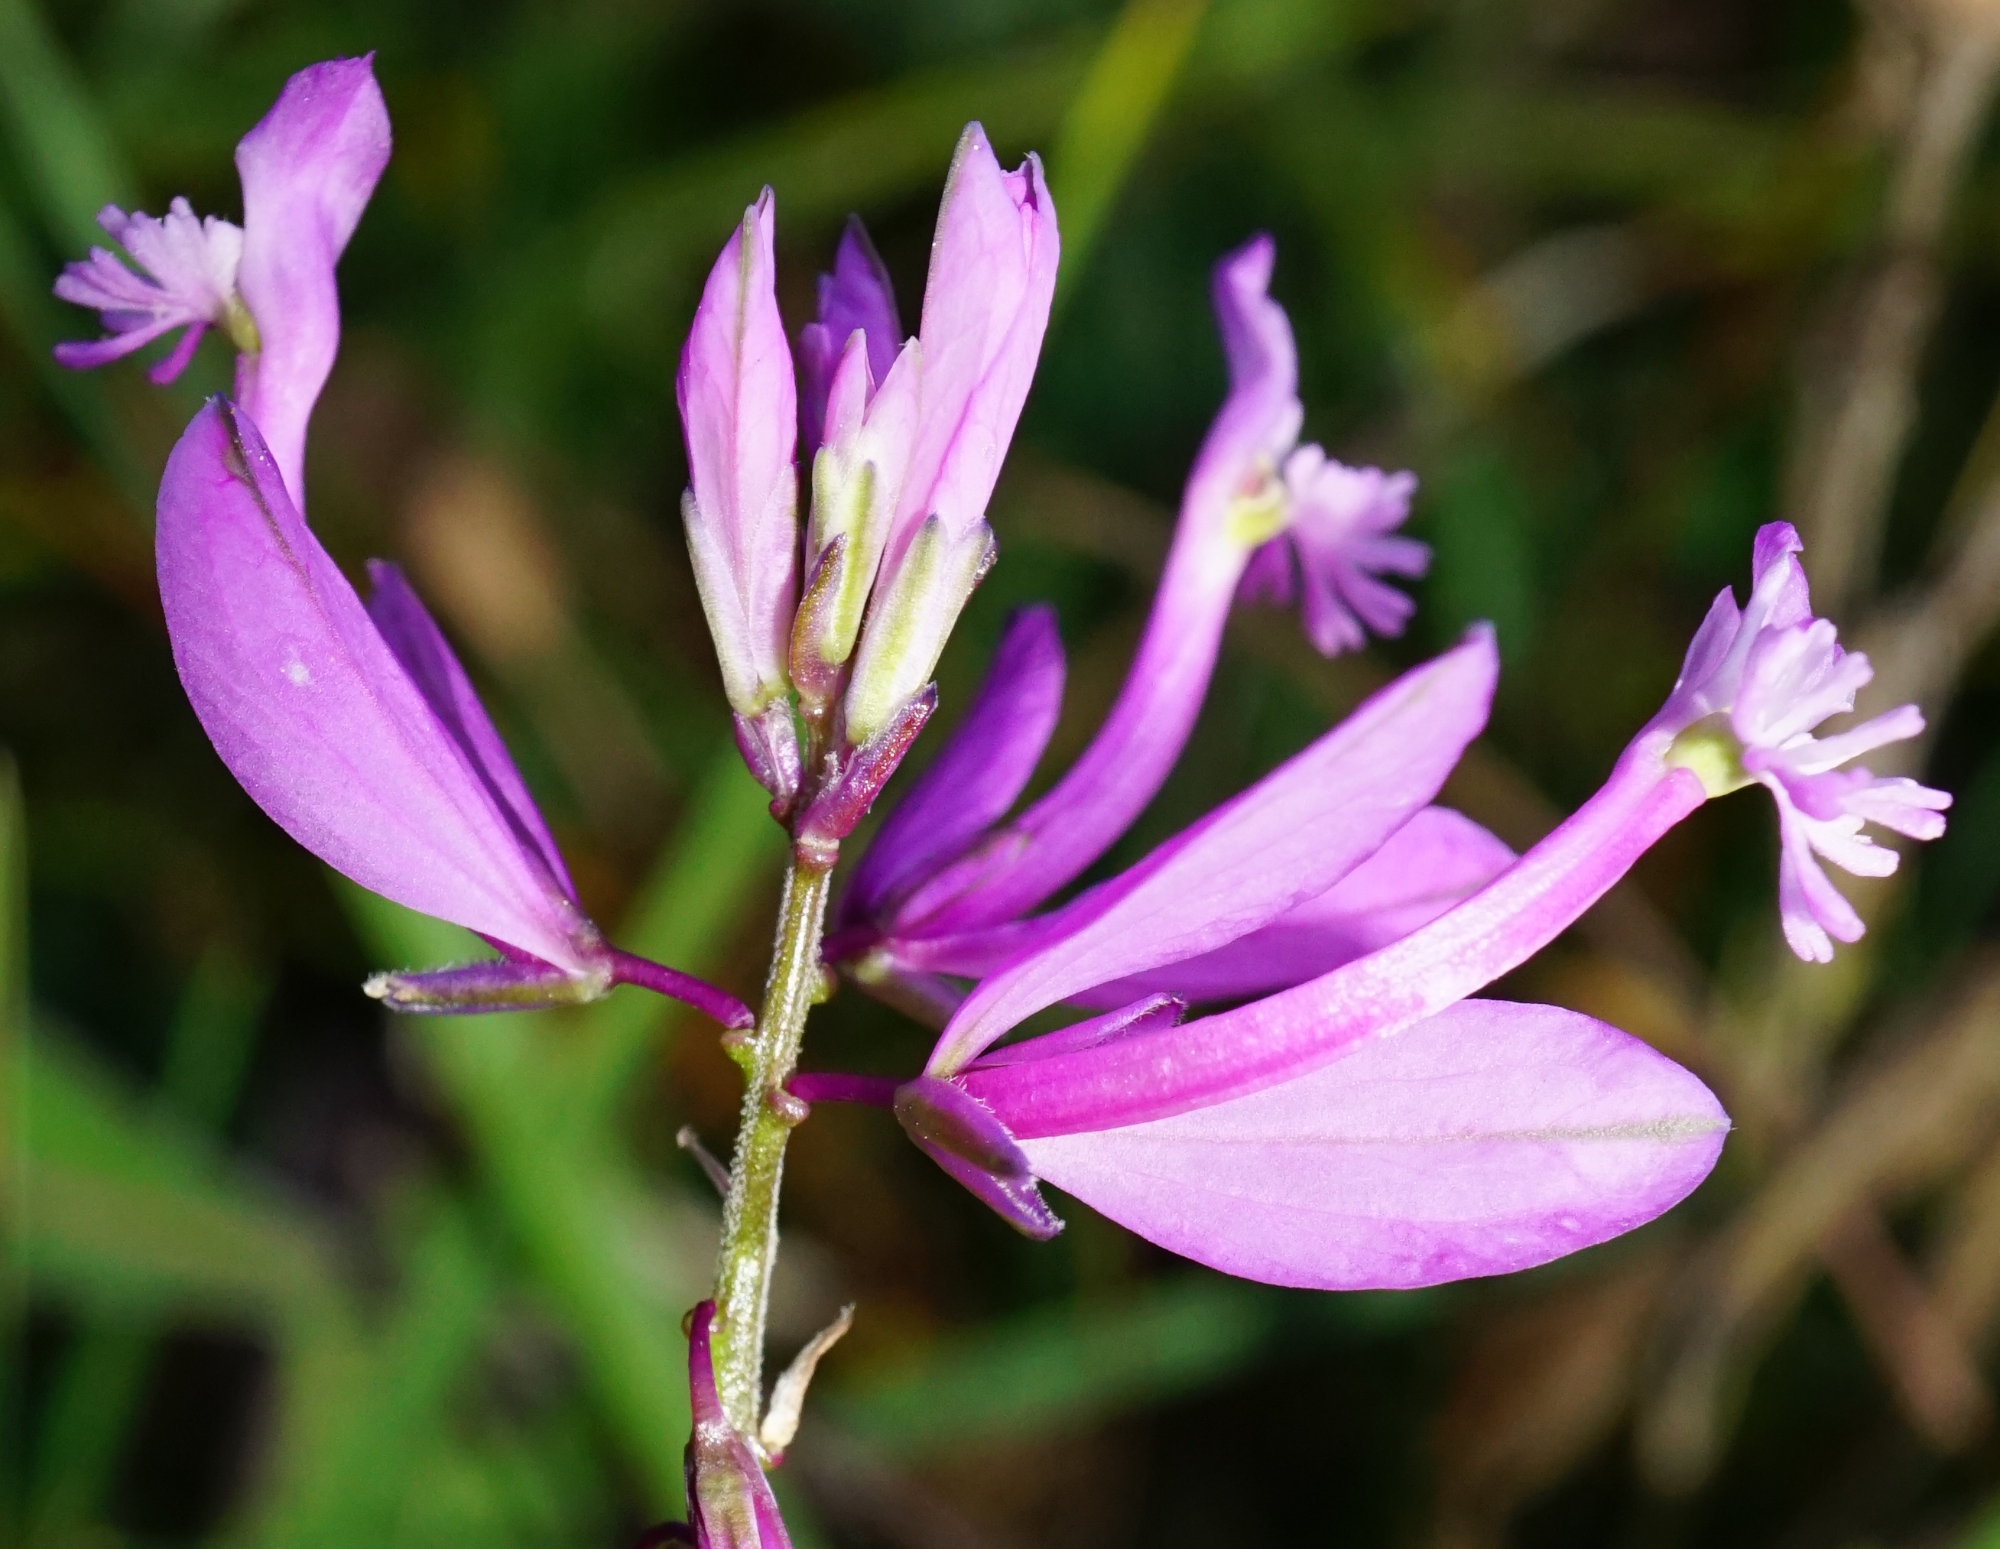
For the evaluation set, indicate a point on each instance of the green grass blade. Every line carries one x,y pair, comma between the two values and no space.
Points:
1121,98
1061,1367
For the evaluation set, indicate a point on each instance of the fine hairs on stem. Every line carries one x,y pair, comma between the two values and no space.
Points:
750,1207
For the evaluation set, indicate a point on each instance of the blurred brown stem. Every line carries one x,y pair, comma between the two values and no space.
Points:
1847,461
1937,1382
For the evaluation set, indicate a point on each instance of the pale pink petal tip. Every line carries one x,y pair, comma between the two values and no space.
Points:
1490,1138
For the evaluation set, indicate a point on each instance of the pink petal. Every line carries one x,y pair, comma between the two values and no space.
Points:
312,712
739,409
979,772
413,637
1432,862
1052,843
1159,1074
1780,597
308,169
856,297
1486,1139
1285,840
986,304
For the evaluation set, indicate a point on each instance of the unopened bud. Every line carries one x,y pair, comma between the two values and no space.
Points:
856,479
729,1499
769,743
847,796
962,1136
909,623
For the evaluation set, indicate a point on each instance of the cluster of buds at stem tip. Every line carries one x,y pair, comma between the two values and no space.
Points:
827,636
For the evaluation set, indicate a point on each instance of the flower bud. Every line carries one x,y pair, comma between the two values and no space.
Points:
730,1504
739,409
908,624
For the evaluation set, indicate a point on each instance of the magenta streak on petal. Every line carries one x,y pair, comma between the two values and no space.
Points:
312,712
1155,1075
1485,1139
828,1086
308,169
413,635
1287,839
1429,864
1051,844
978,774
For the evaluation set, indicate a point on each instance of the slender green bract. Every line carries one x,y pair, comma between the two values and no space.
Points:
750,1214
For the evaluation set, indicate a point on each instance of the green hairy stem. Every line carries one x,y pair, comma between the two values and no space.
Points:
750,1212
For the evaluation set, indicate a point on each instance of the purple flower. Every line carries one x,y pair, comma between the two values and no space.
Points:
1259,513
308,169
1341,537
187,280
1755,686
358,732
907,436
1371,1126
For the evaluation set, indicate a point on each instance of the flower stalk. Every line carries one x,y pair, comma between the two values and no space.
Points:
750,1210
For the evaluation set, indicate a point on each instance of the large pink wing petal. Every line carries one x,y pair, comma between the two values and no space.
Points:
1429,864
412,634
311,711
1490,1138
1288,838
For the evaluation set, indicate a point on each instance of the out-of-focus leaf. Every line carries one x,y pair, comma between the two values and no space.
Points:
57,133
84,1427
13,1125
1105,128
1063,1367
724,849
125,1209
1984,1532
213,1035
649,233
1478,520
34,319
346,1473
564,1199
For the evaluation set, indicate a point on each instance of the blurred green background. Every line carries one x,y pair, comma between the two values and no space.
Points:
1620,279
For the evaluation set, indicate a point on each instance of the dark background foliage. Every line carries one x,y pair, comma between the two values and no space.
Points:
1620,279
